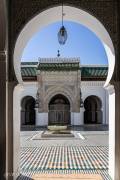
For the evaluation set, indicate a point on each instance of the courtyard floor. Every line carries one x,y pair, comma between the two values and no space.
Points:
86,152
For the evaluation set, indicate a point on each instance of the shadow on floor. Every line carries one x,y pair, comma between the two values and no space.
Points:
23,177
93,127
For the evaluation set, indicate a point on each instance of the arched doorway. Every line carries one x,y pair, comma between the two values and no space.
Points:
78,16
93,113
59,110
28,111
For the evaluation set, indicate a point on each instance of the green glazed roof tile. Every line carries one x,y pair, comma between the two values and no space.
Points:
58,66
29,69
94,71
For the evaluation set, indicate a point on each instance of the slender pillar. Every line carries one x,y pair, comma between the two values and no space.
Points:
9,133
2,91
116,81
2,115
117,130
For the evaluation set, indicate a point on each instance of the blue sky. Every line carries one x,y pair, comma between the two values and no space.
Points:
81,43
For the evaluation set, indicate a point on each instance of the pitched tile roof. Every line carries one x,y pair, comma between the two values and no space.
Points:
29,69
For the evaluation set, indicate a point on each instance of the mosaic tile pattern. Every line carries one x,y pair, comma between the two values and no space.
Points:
64,158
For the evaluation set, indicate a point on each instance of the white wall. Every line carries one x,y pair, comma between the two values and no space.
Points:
107,107
77,118
89,88
111,95
19,92
41,119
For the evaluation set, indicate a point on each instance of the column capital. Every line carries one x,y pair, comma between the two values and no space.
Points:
110,88
2,55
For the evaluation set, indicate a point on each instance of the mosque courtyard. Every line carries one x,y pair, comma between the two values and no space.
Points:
84,152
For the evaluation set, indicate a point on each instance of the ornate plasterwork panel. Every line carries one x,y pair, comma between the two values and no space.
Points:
93,83
51,83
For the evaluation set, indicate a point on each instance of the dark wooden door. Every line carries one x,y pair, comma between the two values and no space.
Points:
93,113
59,114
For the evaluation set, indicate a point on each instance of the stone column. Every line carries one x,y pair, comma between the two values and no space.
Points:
36,112
117,128
2,115
9,134
111,104
2,90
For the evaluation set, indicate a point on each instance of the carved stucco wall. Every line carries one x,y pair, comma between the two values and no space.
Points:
51,83
23,11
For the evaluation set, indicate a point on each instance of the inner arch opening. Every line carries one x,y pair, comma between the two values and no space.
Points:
27,111
53,15
59,110
93,113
